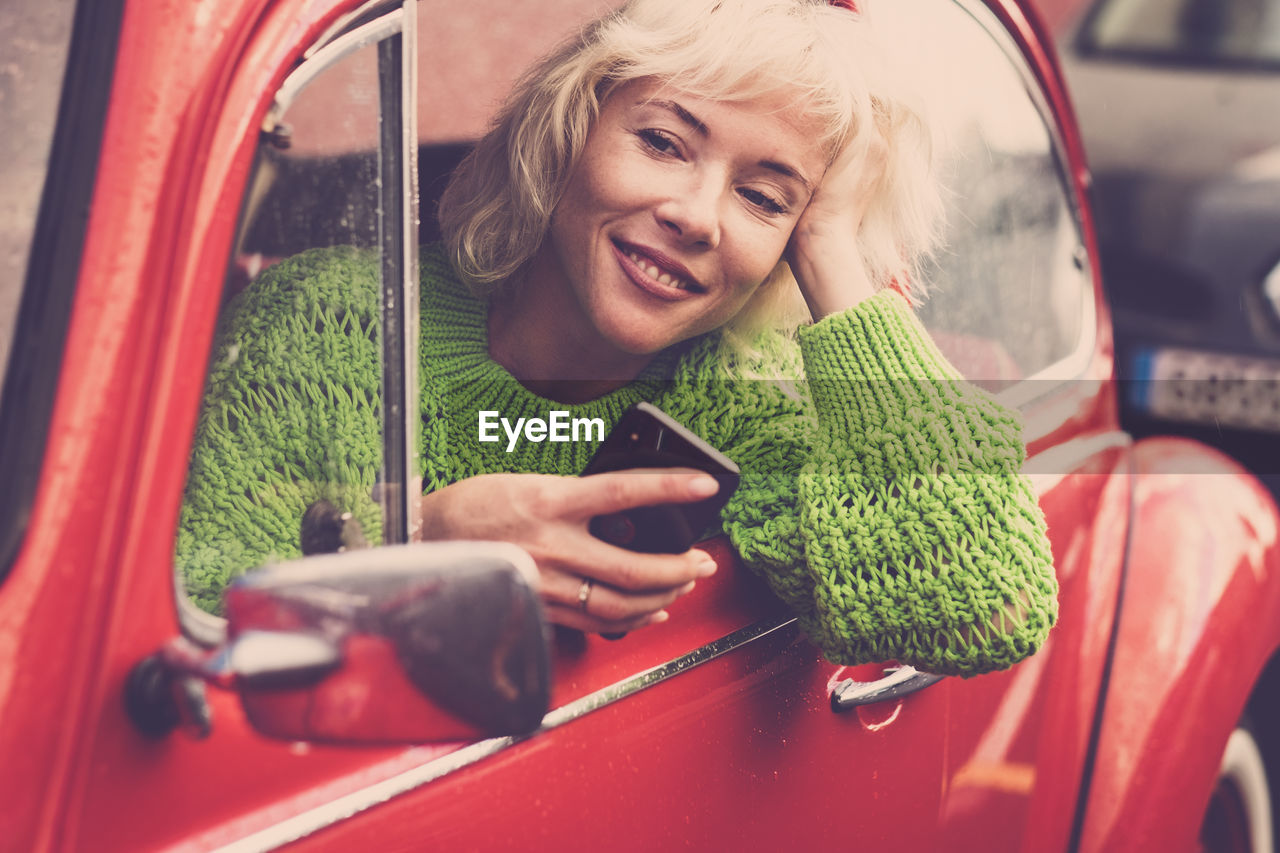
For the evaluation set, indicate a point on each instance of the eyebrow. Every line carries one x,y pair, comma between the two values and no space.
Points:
701,129
684,115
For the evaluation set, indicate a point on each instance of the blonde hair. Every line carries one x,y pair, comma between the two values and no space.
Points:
497,208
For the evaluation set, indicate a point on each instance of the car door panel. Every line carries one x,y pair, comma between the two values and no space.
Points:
742,747
1019,739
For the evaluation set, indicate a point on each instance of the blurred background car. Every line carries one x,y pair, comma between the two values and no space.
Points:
1179,105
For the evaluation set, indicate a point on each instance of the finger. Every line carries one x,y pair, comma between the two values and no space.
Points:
570,618
635,572
606,603
618,490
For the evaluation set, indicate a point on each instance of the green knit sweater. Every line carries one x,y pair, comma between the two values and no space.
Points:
881,498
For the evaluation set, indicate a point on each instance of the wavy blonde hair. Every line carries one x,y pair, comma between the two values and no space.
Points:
497,208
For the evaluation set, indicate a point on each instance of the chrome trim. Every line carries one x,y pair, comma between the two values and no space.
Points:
1073,365
1050,467
313,820
896,683
410,315
322,59
336,28
204,629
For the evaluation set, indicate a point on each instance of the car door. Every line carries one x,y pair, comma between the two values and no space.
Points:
718,727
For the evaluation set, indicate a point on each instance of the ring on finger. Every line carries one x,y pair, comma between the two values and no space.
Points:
584,593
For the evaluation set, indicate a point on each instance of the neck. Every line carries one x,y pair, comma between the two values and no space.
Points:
541,335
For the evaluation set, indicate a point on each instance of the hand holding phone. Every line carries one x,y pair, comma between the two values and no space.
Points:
647,437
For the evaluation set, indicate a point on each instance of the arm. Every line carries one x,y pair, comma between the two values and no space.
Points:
891,515
893,519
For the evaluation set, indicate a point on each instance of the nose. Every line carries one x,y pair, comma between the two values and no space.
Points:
692,213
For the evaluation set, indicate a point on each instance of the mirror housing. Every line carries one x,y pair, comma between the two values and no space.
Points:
399,644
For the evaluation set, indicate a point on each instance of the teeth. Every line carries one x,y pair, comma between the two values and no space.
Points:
657,274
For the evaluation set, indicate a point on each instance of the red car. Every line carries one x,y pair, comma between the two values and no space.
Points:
384,698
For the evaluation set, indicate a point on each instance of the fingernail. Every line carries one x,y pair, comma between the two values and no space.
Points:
660,616
706,565
687,588
703,486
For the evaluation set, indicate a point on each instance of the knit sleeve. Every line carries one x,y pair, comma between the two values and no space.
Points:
290,416
891,513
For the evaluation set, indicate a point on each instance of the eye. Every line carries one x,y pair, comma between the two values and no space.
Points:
764,201
659,141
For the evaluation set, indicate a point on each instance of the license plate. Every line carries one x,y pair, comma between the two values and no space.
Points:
1207,387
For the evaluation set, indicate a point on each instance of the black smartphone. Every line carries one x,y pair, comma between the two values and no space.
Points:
647,437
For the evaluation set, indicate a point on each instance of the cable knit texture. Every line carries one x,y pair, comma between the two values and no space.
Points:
881,498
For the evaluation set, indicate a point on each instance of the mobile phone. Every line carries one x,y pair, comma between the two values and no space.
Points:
647,437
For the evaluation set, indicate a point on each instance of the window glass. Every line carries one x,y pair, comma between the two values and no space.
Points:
33,56
1005,291
287,459
288,455
316,181
467,62
293,420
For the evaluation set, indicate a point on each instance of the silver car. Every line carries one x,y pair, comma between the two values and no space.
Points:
1179,104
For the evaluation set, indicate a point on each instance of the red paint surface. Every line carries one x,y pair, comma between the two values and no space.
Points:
746,744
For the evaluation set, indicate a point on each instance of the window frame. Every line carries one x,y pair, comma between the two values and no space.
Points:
379,22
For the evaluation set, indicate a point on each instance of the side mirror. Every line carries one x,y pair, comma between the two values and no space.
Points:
401,644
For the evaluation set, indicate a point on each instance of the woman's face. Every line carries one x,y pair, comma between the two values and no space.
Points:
678,209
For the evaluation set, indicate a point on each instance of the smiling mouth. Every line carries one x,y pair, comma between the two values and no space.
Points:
657,274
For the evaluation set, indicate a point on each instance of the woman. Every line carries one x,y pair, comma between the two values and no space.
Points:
656,203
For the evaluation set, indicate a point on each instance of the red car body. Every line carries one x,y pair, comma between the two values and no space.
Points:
1108,739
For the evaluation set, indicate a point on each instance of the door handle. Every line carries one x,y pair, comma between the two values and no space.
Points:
897,682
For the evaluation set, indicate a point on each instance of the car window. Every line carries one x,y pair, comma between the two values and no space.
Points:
33,55
303,444
1006,293
290,454
1189,32
290,457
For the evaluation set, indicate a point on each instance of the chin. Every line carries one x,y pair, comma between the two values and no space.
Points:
642,345
636,340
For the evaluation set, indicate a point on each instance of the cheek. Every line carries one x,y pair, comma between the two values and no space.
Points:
606,178
571,228
758,259
732,304
590,200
